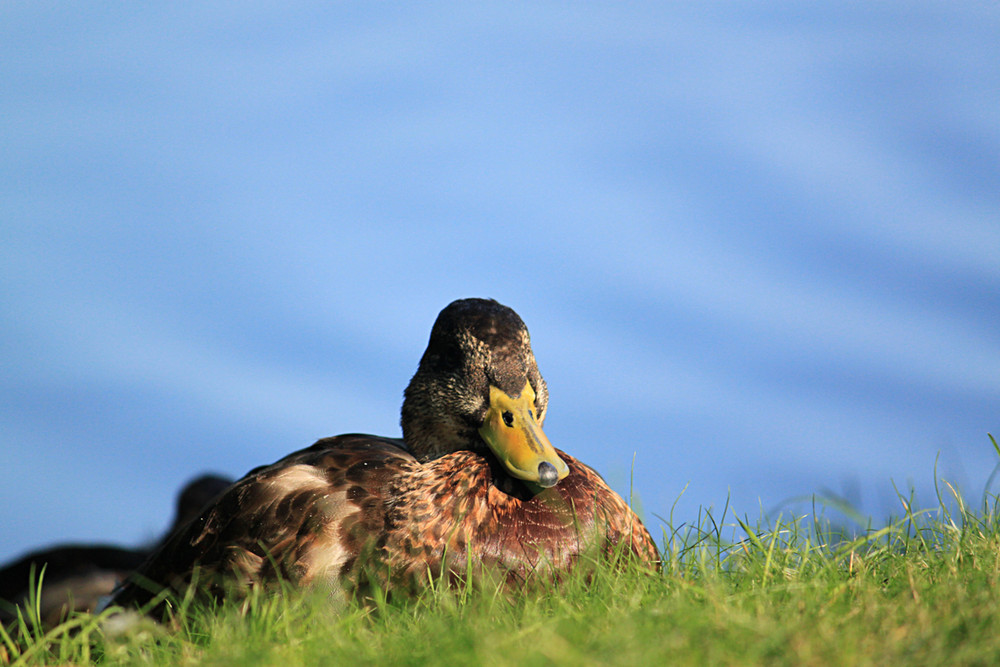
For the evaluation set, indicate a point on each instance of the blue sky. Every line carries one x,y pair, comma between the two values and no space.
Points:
758,248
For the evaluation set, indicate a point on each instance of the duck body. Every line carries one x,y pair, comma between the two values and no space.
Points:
354,507
75,577
473,481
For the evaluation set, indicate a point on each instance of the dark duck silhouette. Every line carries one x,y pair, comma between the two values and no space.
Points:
77,576
473,480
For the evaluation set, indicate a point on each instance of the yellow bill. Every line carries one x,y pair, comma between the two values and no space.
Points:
514,435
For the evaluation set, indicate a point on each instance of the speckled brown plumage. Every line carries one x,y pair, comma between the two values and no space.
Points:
359,508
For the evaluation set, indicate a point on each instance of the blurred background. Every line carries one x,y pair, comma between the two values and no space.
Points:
757,246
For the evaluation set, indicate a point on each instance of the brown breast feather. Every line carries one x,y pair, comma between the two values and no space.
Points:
462,504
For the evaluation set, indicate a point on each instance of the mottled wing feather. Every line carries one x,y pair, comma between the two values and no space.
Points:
297,519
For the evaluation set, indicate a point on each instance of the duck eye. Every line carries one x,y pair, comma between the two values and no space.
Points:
508,418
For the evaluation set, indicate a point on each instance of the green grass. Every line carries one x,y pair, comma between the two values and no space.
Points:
924,589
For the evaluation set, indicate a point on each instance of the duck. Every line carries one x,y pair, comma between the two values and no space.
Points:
77,576
474,482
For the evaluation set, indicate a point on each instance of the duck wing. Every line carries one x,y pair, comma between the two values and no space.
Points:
301,519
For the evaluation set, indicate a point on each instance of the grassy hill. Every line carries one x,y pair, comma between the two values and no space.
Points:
923,590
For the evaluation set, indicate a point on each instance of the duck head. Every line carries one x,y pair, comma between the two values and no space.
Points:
478,388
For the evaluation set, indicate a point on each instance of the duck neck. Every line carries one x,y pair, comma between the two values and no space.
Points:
431,439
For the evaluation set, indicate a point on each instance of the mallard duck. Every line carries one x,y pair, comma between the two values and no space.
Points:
77,576
473,480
